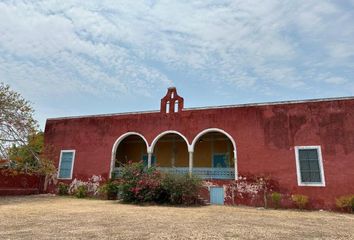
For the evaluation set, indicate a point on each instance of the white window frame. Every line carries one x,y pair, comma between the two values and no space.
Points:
72,164
320,163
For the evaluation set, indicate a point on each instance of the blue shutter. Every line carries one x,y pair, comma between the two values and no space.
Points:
66,164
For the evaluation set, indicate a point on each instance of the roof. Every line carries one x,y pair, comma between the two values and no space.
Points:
215,107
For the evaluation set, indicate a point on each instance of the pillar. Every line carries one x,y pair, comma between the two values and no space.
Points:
190,163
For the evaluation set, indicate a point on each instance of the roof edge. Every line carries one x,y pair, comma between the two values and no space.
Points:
214,107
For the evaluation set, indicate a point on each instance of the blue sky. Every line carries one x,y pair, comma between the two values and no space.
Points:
91,57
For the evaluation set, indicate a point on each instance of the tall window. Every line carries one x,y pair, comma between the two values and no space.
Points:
66,164
309,166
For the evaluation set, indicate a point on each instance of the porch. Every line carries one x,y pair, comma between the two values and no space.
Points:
211,156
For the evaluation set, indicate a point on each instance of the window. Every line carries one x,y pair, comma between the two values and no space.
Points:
309,166
66,164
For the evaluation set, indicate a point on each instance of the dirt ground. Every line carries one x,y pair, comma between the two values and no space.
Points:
51,217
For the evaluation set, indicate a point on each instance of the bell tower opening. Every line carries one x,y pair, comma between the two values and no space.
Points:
172,102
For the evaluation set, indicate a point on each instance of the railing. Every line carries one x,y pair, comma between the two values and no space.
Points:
204,173
214,173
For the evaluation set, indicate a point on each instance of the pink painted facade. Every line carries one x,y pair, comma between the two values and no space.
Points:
265,136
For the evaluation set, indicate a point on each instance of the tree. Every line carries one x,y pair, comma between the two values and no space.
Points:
16,120
20,140
26,157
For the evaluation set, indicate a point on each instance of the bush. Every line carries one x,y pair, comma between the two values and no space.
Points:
300,200
181,189
110,189
63,189
139,184
276,199
346,203
81,191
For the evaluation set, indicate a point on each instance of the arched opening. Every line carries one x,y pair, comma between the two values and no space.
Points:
214,156
170,152
168,107
129,147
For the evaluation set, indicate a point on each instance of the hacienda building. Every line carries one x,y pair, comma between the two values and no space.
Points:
307,147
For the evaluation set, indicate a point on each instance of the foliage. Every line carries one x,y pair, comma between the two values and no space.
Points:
63,189
181,189
90,187
16,120
138,185
110,189
81,191
346,203
26,158
300,200
276,199
20,142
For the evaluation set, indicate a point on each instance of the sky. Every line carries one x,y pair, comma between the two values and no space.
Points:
94,57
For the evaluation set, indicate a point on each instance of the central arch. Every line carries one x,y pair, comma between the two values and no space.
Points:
170,152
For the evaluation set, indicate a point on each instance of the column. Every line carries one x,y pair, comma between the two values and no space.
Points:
149,159
190,163
235,163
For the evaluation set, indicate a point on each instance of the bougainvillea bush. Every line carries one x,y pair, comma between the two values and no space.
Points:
139,185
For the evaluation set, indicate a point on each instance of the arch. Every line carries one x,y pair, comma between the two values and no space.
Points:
168,132
205,131
118,141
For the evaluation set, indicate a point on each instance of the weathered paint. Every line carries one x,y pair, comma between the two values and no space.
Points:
265,136
19,184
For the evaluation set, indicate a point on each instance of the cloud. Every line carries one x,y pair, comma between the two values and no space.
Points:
115,48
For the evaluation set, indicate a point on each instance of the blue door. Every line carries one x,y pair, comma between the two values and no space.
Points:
217,195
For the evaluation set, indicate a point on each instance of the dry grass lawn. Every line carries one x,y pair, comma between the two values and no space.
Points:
51,217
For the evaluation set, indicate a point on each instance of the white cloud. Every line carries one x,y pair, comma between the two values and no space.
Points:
110,47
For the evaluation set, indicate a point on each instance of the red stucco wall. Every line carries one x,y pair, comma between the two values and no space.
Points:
265,137
19,184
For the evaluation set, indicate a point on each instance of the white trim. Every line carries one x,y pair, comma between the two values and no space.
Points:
72,164
320,163
116,144
205,131
168,132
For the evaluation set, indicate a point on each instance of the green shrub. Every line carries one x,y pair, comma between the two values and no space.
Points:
110,189
181,189
346,203
81,191
276,199
300,200
63,189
